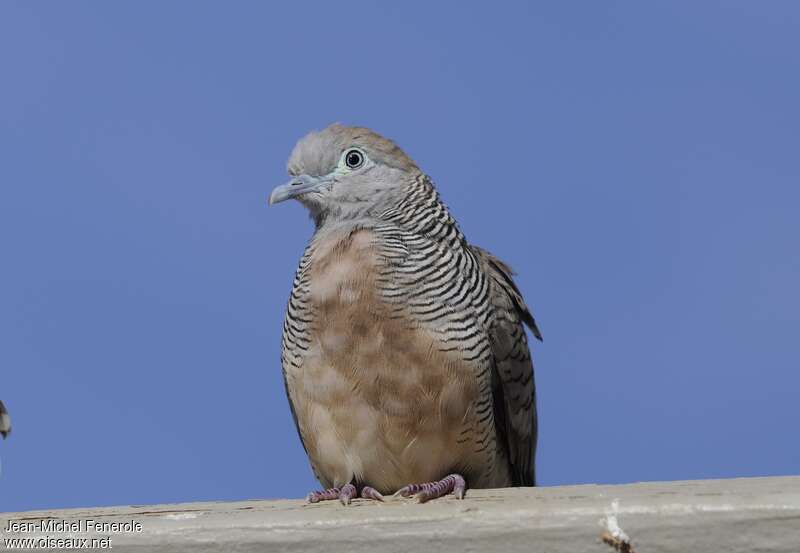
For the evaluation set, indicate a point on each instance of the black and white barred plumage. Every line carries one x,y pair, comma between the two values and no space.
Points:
404,351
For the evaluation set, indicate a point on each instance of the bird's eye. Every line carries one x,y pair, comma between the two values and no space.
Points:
354,159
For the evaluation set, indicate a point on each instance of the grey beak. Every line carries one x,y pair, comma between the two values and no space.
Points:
295,187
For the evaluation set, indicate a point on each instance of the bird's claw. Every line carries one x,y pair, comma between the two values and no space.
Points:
368,492
345,494
452,483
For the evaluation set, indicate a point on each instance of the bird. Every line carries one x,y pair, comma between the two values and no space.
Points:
5,421
404,352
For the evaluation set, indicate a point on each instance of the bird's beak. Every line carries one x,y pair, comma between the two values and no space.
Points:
295,187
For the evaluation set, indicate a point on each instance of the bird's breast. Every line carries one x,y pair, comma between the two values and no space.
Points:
375,396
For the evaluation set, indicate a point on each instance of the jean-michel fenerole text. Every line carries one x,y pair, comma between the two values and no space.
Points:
55,526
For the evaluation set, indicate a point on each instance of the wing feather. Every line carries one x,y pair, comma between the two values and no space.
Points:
515,391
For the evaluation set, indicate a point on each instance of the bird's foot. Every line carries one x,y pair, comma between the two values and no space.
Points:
452,483
345,494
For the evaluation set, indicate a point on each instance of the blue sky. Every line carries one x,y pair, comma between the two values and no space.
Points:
636,163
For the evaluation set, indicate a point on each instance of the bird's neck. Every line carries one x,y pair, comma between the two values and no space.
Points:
422,212
419,211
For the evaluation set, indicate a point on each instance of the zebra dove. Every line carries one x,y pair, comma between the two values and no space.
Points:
404,352
5,421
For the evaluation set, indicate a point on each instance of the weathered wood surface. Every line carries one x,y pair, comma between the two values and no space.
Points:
747,515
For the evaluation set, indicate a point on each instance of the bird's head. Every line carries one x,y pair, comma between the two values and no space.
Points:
346,173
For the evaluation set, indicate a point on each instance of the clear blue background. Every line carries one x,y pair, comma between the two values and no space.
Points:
637,163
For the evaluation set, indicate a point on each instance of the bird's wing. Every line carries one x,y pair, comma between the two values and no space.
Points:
515,390
5,421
